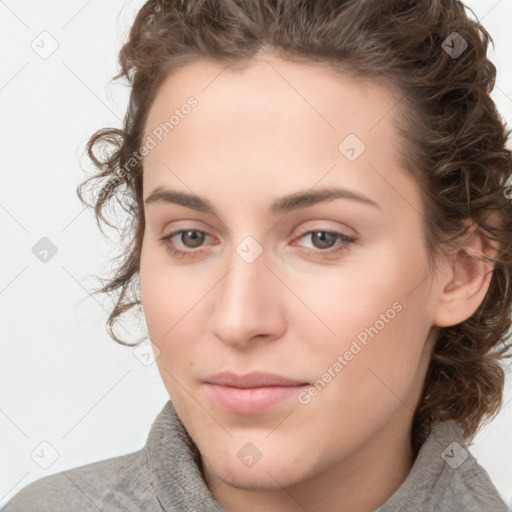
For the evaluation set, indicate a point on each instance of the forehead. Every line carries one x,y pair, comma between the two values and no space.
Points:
271,86
267,119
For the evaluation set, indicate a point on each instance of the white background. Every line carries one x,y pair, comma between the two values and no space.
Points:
63,380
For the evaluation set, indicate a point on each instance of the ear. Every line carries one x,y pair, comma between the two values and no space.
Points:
464,279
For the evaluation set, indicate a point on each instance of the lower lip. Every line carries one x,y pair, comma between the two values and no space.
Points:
251,400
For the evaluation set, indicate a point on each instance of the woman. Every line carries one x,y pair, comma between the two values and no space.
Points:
321,245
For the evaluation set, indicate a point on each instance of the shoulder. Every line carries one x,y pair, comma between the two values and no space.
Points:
469,488
461,483
116,484
446,477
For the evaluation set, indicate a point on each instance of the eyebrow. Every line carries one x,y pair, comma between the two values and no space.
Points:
295,201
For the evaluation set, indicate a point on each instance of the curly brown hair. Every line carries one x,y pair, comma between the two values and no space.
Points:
453,140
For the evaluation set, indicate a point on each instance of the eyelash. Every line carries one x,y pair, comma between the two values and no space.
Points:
313,252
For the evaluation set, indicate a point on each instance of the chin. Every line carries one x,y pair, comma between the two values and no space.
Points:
274,473
264,479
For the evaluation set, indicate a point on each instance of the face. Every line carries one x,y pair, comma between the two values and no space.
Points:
331,294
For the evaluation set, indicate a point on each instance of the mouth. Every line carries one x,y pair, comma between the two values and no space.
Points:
252,393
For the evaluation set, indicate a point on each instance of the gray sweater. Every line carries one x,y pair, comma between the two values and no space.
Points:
165,476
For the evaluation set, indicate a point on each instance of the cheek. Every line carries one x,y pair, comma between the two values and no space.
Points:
370,373
367,300
174,313
165,308
379,320
382,338
168,317
161,300
169,292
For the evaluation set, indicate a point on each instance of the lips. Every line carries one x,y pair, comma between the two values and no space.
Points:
252,393
252,380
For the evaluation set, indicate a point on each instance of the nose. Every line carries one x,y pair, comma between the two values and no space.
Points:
248,304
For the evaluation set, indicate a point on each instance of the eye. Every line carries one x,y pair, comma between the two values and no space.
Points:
324,241
190,238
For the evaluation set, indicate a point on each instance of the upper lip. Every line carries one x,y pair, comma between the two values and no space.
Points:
251,380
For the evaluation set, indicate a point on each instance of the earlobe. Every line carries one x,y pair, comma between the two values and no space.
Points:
465,280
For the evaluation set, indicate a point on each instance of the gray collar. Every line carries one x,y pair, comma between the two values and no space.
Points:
444,474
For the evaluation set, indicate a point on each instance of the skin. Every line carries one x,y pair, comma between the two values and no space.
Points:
257,134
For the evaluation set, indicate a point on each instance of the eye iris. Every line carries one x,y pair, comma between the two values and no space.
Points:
331,238
196,240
